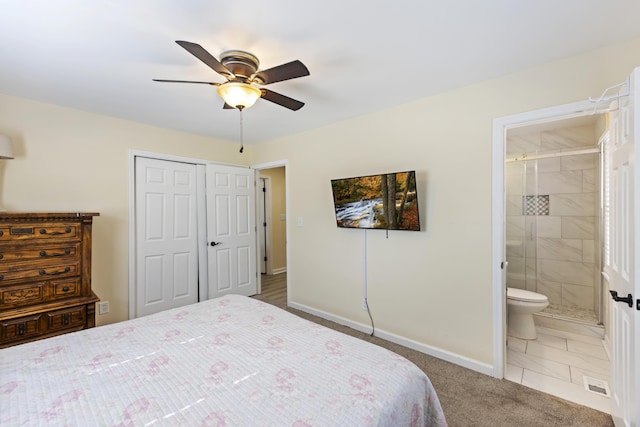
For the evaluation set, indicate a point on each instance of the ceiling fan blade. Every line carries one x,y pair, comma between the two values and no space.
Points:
204,56
290,70
228,107
279,99
186,81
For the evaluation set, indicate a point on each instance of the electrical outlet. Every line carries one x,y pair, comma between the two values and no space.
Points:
103,307
364,304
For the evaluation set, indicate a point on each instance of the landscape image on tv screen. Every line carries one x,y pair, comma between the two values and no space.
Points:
386,201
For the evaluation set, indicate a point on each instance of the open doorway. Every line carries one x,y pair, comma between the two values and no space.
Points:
272,214
547,232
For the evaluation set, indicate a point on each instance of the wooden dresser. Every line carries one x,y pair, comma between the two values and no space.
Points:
45,275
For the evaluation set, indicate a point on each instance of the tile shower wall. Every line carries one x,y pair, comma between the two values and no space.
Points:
552,249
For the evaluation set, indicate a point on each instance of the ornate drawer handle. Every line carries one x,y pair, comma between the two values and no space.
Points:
1,276
66,252
65,289
21,329
65,319
53,273
67,230
21,230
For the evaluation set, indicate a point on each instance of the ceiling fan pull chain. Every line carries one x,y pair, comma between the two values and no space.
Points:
241,134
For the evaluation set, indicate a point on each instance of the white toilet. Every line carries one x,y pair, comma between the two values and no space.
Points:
521,305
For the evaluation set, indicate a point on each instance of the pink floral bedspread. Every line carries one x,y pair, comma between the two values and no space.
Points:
231,361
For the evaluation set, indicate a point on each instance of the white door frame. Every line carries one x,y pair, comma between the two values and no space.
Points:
500,127
265,203
271,165
201,212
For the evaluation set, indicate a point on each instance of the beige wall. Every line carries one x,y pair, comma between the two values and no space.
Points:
433,286
278,226
69,160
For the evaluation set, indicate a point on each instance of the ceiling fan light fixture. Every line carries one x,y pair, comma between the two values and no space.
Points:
239,95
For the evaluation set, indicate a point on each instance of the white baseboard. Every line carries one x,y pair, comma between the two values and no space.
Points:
456,359
279,270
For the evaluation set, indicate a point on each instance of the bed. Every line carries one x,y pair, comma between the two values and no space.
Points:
230,361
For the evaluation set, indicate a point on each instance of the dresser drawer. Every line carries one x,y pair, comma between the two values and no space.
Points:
21,328
39,232
68,318
28,252
16,296
39,270
39,292
64,288
42,325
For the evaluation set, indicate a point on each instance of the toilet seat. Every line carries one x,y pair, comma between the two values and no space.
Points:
525,296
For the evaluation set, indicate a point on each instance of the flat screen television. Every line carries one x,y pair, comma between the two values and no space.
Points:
386,201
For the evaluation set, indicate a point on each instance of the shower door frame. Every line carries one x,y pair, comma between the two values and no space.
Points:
499,259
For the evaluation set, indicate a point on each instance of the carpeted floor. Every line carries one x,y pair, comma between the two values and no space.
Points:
469,398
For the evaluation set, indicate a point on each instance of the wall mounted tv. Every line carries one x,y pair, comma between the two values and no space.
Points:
386,201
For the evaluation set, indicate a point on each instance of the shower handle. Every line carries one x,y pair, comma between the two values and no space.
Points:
628,299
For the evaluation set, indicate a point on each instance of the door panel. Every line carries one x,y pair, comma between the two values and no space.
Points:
231,230
222,269
181,264
223,212
153,283
166,235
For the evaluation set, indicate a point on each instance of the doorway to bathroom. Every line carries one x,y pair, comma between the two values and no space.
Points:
553,180
565,363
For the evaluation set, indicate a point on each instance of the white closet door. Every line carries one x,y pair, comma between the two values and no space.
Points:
166,235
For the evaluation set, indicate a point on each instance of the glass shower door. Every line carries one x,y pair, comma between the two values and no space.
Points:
521,224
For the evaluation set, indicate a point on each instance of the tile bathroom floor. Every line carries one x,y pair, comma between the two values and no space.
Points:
557,362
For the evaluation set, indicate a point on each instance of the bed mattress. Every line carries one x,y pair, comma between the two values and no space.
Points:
231,361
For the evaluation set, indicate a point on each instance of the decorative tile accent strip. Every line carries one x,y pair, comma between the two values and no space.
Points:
535,205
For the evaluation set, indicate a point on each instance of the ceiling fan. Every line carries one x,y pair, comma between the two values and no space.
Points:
240,68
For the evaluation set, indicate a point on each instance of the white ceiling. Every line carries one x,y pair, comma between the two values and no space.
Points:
101,55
